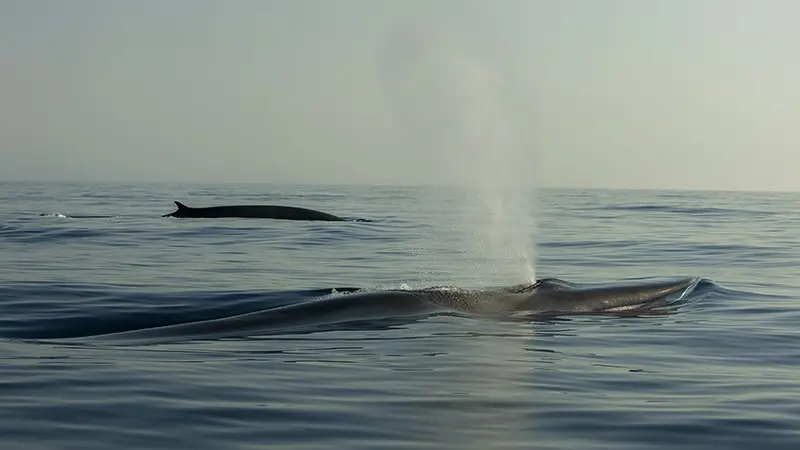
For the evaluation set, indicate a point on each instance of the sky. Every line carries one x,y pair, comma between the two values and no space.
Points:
678,94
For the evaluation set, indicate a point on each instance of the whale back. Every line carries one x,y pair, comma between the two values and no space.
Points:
253,211
558,295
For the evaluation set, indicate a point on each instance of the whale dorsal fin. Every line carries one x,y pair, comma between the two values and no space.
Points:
181,206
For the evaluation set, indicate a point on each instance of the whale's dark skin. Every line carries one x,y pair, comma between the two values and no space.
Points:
253,211
545,297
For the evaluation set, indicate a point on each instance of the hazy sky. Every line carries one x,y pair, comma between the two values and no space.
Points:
639,94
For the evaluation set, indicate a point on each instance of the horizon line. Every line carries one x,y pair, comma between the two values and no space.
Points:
396,185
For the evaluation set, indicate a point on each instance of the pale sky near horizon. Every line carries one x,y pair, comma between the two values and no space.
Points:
674,94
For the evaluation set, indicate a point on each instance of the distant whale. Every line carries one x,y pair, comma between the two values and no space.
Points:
253,211
548,296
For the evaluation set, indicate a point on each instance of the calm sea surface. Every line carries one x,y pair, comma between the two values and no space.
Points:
720,372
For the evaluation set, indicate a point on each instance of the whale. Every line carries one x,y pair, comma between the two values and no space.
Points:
253,211
545,297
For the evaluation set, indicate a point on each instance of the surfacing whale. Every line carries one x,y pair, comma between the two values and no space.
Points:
253,211
548,296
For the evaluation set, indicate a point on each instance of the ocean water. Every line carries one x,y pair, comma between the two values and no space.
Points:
719,371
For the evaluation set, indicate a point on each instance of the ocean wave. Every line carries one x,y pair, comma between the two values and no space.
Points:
714,211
